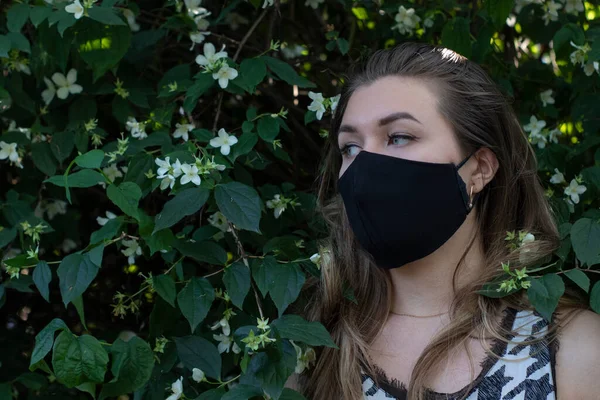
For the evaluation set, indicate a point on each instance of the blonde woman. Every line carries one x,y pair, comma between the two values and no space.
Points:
426,172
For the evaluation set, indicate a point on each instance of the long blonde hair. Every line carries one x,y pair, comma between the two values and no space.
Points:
514,200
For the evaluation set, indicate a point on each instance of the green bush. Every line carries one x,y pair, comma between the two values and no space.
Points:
158,162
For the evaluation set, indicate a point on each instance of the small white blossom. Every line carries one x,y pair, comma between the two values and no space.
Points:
210,56
50,92
579,55
225,343
197,38
574,6
9,150
132,250
201,22
546,97
66,84
316,259
224,75
76,9
538,139
224,141
190,174
553,135
112,172
551,11
56,207
278,204
428,23
219,221
268,3
406,20
176,389
558,177
183,131
193,8
303,359
590,67
222,323
334,101
68,245
197,375
13,127
574,190
102,221
534,126
313,3
317,104
130,17
137,129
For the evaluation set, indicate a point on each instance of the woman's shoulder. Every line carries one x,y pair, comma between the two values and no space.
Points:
577,372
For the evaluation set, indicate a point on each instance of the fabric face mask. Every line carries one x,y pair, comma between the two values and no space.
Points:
402,210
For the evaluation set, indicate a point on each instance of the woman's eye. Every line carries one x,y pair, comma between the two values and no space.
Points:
349,150
399,140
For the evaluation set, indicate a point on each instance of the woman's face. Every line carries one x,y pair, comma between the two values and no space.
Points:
398,117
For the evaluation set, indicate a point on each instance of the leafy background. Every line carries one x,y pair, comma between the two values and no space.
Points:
125,273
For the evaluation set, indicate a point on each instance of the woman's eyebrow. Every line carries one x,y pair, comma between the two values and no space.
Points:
383,121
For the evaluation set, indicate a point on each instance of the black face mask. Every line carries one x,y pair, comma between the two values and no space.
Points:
402,210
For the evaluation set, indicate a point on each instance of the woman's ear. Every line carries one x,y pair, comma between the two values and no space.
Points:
485,170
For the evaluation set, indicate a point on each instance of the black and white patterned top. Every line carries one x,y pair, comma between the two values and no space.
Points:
525,372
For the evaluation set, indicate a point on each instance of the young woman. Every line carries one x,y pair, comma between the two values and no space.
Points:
427,171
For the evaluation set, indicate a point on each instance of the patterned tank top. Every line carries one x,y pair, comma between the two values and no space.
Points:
525,371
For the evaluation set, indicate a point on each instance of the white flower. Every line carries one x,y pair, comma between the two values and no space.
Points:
225,344
13,127
132,250
553,135
574,7
558,177
313,3
21,66
167,182
130,17
102,221
268,3
578,56
224,75
278,204
303,359
333,102
538,139
316,259
9,150
56,207
590,67
528,238
428,23
534,126
112,172
190,174
574,190
76,9
137,129
67,245
292,51
224,141
183,131
177,389
197,38
164,167
406,20
197,375
218,220
48,94
210,56
546,97
222,323
201,22
551,11
193,8
66,84
317,104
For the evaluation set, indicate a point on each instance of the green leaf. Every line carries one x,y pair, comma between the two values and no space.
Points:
108,230
33,381
16,17
126,196
42,158
197,352
595,298
585,237
580,278
75,273
42,277
203,82
102,46
19,42
38,14
208,252
456,35
544,294
186,202
566,34
498,10
237,282
245,144
240,204
195,300
252,72
343,45
88,387
5,45
76,360
213,394
261,273
161,240
80,179
286,280
296,328
78,303
270,371
285,72
105,15
242,392
165,287
132,366
7,235
62,145
45,339
268,128
91,159
138,166
289,394
592,175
